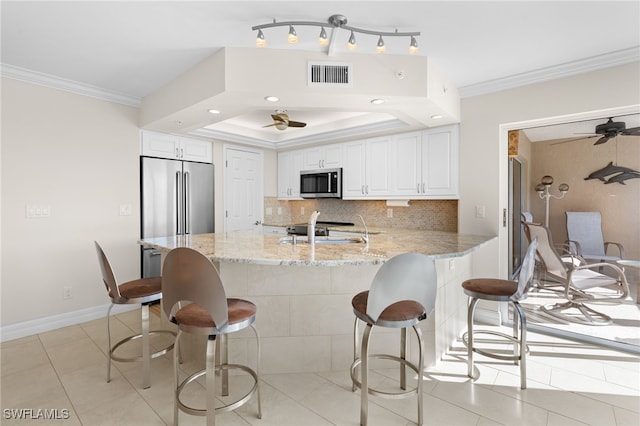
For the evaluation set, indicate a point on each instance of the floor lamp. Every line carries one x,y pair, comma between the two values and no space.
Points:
543,192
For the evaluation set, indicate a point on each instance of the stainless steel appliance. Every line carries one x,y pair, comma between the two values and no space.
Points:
176,199
323,183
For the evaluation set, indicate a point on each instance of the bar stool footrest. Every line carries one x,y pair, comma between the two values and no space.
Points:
156,354
389,395
229,407
465,340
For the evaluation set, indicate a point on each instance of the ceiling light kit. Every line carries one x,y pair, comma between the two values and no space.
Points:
336,21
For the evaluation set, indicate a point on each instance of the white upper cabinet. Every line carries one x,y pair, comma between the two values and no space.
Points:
175,147
439,157
323,157
365,172
416,165
289,165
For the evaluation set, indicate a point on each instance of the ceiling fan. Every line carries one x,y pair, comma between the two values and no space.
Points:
611,129
281,121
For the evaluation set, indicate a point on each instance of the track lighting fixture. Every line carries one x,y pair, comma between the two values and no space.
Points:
413,47
336,21
351,44
323,40
260,41
292,38
380,47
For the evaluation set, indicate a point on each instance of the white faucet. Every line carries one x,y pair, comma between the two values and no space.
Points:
311,227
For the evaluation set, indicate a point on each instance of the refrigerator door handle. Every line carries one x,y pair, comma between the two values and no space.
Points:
178,203
187,202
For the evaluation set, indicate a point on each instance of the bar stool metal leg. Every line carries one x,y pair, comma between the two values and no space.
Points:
470,313
146,355
211,380
403,357
420,369
364,376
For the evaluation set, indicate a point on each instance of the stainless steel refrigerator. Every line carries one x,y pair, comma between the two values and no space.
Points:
176,199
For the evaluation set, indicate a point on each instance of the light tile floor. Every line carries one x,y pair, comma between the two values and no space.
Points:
569,384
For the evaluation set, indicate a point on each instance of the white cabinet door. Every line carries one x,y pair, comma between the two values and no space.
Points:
354,171
378,167
159,145
176,147
440,162
196,150
323,157
289,165
406,167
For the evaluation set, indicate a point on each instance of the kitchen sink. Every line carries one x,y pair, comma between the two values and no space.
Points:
322,240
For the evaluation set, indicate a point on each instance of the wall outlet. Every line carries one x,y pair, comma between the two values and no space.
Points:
389,213
33,211
480,212
279,211
301,210
67,293
269,211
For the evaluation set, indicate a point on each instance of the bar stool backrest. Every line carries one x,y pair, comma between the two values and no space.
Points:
526,271
108,277
189,277
408,276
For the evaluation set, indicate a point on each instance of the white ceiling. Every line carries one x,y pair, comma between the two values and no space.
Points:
133,48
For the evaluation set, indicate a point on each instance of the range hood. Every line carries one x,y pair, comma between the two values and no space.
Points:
236,81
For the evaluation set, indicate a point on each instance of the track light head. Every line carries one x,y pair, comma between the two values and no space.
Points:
323,40
380,47
413,46
292,38
260,41
351,44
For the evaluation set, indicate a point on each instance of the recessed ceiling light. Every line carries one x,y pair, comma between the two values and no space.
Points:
214,111
436,116
377,101
271,98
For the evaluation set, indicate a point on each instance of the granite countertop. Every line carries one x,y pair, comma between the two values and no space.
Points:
244,247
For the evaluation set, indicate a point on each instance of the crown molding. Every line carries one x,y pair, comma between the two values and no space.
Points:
29,76
608,60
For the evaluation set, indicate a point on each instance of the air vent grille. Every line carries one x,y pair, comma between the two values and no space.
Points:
330,74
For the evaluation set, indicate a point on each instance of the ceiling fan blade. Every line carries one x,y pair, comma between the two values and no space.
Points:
575,139
270,125
296,124
603,139
633,131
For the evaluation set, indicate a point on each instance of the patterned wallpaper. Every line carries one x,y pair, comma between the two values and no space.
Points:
438,215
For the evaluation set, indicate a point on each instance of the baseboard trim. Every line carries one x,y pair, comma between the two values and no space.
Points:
53,322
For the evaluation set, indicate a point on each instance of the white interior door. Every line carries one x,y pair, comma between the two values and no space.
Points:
243,190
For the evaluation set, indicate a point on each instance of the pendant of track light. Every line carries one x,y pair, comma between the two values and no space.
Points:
380,48
260,41
322,39
292,38
351,44
413,47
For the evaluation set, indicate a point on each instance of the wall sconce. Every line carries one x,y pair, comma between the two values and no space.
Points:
543,192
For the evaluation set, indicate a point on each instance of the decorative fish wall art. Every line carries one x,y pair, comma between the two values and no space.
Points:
620,174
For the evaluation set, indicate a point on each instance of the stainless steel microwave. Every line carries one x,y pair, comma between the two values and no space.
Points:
323,183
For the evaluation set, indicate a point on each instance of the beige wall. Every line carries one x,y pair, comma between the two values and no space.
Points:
78,155
483,136
570,163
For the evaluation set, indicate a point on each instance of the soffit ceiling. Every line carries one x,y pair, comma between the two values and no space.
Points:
134,48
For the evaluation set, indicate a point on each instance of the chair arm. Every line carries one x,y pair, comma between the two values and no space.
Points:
621,278
571,244
620,248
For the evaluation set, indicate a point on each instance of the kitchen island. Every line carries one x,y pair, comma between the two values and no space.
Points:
303,293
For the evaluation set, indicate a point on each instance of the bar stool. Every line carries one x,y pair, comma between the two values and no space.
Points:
142,291
502,291
402,293
195,300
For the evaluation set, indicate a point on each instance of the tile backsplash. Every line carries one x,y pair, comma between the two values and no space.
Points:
436,215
